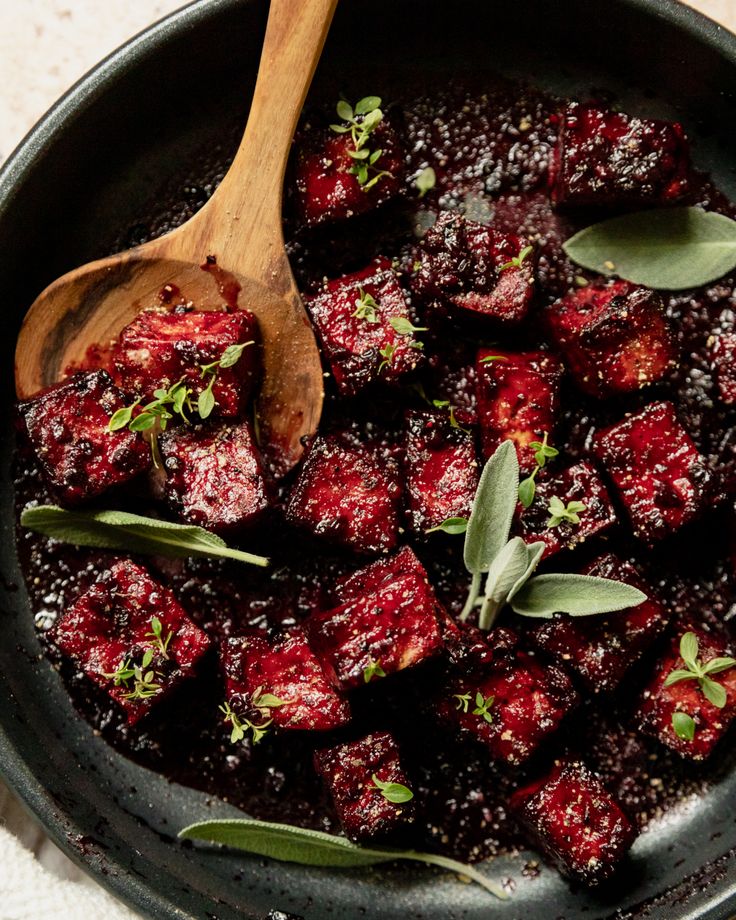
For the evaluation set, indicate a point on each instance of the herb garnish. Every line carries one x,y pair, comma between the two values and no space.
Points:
315,848
517,261
463,701
559,512
387,353
404,326
159,644
144,680
453,525
489,358
362,122
542,453
482,706
206,401
698,670
393,792
509,564
425,181
241,726
445,404
366,307
131,533
371,670
683,725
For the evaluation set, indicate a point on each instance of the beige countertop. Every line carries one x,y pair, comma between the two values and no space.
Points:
45,46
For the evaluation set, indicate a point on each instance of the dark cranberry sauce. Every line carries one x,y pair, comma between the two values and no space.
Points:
491,152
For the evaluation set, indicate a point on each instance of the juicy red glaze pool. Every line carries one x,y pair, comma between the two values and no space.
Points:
491,150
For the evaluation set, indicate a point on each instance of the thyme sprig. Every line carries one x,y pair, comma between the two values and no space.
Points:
700,671
362,121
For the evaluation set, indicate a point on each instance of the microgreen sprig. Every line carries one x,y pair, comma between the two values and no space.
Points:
240,726
463,701
483,706
445,404
231,355
397,793
371,670
559,512
517,261
159,644
387,353
700,671
362,121
683,725
425,181
366,307
542,453
144,683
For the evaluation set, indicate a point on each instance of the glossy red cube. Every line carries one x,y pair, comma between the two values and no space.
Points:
67,426
348,771
575,821
662,480
110,628
324,188
724,364
614,338
440,469
470,267
288,669
600,649
214,475
394,626
610,159
525,702
579,483
518,399
160,348
658,703
353,344
348,494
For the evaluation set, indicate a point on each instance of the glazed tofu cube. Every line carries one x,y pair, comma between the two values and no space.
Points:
601,649
355,317
512,708
326,190
285,668
348,771
471,650
609,159
580,484
214,475
615,338
475,269
659,703
663,482
575,821
440,469
724,364
131,637
68,429
347,494
370,578
393,627
158,349
518,397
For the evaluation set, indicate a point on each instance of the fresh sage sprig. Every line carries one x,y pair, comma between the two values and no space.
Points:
288,843
670,248
130,533
509,564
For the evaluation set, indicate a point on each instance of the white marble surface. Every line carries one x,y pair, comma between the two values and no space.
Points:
45,46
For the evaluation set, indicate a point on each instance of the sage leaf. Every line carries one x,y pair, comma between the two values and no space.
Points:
130,533
578,595
315,848
669,248
508,572
493,509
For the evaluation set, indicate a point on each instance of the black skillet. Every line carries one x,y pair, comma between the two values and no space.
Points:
126,136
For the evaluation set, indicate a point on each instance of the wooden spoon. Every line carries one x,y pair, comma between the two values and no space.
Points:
240,228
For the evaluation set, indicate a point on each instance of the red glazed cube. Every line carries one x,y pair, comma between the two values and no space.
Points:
288,669
394,626
522,703
108,630
600,649
68,429
724,364
615,338
326,190
158,349
347,494
353,345
348,770
579,483
214,476
382,572
659,703
517,399
663,481
440,469
470,266
576,821
610,159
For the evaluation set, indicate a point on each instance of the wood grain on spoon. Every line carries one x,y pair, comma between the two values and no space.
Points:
239,227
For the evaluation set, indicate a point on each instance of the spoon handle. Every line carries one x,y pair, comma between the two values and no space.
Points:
241,223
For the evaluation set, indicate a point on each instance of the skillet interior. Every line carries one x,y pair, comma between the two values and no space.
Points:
127,136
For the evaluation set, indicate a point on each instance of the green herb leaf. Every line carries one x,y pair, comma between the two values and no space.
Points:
315,848
483,706
344,110
689,649
130,533
509,571
716,665
206,400
463,701
393,792
404,326
669,248
453,525
683,725
489,358
233,354
674,677
425,181
559,512
527,490
578,595
121,418
367,104
713,692
493,509
371,670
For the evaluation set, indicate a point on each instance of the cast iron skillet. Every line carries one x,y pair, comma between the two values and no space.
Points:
96,164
